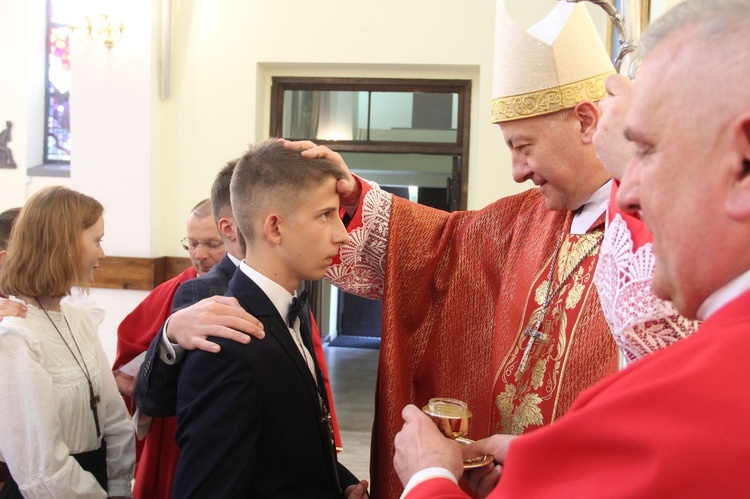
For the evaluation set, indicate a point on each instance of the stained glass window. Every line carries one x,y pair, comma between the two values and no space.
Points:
57,146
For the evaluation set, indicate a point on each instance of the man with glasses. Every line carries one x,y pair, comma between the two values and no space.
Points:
206,249
203,241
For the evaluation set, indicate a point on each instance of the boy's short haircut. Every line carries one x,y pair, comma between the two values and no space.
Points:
221,204
271,177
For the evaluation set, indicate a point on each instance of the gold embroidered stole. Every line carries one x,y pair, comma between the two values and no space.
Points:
542,393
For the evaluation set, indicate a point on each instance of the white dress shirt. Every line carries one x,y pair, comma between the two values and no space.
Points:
282,300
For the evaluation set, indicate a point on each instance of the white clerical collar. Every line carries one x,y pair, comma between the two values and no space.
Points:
591,210
280,297
235,260
724,295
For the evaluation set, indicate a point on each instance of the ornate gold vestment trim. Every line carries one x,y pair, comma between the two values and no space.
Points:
549,100
530,398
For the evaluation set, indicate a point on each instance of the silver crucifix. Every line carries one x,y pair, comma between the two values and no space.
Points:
535,336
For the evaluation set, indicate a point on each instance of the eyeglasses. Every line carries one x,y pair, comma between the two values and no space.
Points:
209,246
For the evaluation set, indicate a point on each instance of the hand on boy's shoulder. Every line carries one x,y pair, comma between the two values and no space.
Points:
219,316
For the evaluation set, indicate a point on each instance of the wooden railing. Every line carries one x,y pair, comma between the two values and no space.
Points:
117,272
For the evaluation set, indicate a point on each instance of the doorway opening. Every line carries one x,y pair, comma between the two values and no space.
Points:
411,136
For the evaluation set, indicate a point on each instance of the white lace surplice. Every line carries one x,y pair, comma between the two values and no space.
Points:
641,322
362,268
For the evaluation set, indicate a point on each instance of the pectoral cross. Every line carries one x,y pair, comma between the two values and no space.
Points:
534,336
93,400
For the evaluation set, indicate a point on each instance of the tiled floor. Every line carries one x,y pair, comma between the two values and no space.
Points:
352,373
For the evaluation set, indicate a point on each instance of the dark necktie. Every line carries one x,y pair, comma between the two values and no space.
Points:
297,303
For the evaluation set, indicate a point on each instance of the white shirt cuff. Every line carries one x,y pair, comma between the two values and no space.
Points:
424,475
170,353
142,423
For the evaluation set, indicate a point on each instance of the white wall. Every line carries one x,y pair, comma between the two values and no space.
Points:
150,160
659,7
22,50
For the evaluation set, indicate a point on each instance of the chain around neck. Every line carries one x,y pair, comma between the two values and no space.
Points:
81,365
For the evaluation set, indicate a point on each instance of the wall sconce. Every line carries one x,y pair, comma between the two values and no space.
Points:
96,28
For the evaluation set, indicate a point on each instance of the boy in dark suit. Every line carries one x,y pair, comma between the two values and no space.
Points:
156,388
253,419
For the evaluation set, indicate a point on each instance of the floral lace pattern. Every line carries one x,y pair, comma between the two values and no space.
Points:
362,268
641,322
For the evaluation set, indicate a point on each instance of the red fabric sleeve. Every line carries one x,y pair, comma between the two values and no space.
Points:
320,355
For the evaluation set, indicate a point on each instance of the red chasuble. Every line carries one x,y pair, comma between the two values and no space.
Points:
459,290
673,424
157,459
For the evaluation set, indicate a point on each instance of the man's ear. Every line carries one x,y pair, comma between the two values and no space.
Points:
738,199
271,228
588,116
227,229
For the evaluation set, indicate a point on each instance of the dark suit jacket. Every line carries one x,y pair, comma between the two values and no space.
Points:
249,418
156,386
215,282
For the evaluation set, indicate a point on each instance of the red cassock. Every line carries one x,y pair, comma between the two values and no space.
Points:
674,424
156,455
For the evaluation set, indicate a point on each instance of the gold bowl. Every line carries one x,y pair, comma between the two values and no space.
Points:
451,416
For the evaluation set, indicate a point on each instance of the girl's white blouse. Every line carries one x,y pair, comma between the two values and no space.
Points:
45,414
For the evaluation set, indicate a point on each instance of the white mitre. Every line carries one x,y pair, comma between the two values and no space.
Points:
558,63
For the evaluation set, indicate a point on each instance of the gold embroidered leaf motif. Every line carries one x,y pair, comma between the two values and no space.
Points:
574,296
541,293
527,413
537,375
569,256
504,403
573,253
562,340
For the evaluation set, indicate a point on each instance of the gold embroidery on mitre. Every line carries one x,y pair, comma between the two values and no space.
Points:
549,100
